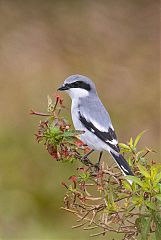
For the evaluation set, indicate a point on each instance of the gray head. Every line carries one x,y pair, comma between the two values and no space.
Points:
78,86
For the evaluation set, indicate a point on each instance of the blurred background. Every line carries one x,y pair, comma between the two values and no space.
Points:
116,43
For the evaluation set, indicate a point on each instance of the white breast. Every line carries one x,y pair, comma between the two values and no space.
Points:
75,116
88,137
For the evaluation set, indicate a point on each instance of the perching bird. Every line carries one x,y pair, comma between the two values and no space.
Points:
89,115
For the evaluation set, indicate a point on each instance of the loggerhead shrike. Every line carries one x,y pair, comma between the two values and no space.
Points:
90,116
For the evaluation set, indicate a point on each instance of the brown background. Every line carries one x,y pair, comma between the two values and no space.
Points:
116,43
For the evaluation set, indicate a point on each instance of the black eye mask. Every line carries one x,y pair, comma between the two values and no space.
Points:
79,84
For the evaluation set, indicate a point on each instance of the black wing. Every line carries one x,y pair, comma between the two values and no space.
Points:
106,137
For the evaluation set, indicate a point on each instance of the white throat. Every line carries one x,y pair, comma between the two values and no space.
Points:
76,93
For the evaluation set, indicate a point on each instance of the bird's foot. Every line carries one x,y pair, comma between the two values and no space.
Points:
86,161
97,166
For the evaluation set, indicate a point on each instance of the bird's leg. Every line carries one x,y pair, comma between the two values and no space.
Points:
98,163
86,155
100,157
85,160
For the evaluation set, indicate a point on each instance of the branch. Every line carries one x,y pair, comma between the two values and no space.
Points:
99,196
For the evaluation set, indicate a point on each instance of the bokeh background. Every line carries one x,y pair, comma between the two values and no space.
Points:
116,43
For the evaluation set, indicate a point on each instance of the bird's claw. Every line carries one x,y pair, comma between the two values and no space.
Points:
97,167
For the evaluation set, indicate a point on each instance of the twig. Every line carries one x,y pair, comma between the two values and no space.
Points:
94,214
40,114
68,210
79,225
90,228
98,234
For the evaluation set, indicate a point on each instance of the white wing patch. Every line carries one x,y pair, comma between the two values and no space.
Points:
124,169
92,130
111,127
113,142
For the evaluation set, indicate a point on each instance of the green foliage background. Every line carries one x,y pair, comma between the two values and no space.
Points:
116,43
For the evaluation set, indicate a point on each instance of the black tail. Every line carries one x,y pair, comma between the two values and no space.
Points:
122,163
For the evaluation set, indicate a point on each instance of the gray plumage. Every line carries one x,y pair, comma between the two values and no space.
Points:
89,114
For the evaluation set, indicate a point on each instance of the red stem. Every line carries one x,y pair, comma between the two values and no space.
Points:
40,114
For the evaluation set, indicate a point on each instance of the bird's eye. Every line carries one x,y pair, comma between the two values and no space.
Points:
76,84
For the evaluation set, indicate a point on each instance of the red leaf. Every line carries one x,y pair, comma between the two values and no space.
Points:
59,99
87,149
79,143
73,178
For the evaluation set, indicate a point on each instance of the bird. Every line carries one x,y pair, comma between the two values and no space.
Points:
91,117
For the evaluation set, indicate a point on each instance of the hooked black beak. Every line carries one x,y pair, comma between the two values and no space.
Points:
63,88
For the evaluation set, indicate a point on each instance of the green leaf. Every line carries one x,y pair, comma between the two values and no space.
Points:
154,171
131,142
158,226
54,130
138,137
110,201
129,160
124,146
159,184
127,185
143,226
83,176
135,180
143,171
157,178
158,196
137,200
150,205
72,133
146,186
